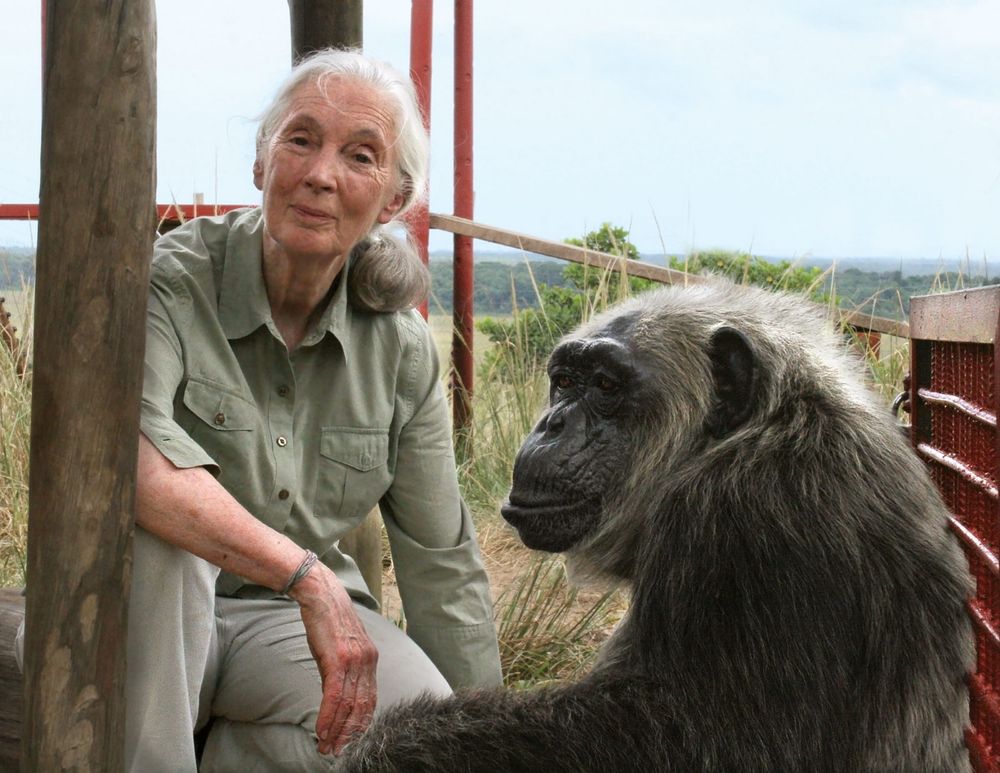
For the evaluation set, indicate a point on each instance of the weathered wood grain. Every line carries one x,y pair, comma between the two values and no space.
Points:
96,219
318,24
11,703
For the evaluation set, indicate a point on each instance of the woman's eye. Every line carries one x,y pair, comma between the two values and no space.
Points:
300,141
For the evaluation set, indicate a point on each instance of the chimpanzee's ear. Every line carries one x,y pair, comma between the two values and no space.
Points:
734,373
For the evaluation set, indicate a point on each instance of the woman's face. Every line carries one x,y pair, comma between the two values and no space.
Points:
328,172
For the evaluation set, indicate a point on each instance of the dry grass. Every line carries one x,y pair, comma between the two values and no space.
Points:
15,431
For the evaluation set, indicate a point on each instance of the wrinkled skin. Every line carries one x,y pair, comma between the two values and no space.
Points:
579,447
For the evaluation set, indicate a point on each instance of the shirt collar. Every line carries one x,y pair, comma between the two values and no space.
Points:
243,304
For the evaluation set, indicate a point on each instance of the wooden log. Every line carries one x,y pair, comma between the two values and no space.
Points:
11,613
95,221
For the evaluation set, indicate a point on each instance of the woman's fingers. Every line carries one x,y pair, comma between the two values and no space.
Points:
347,662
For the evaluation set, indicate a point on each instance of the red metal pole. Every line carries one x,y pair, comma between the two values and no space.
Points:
421,36
462,343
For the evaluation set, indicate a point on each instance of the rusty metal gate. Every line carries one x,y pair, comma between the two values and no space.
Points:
955,403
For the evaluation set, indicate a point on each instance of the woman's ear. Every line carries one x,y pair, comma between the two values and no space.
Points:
389,210
258,174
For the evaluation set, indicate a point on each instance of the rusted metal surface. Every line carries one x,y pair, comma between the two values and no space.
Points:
960,405
974,544
421,41
954,401
955,464
464,280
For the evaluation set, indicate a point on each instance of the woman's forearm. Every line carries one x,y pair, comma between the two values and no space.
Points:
189,508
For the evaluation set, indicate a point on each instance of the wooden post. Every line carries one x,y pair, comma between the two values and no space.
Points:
11,684
94,239
320,24
315,25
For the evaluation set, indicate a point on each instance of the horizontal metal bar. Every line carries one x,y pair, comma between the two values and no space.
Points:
982,622
976,545
18,212
163,211
939,456
960,405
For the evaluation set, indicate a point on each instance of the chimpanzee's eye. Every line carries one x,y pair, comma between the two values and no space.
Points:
606,385
563,381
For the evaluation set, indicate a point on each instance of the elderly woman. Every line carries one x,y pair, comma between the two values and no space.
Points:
289,387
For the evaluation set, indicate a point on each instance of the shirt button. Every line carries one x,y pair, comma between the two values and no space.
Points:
282,442
283,494
220,419
283,391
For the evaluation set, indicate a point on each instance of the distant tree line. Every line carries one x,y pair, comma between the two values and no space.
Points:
882,293
17,267
502,286
499,286
888,293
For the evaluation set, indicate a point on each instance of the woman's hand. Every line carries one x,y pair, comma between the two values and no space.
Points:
190,509
345,655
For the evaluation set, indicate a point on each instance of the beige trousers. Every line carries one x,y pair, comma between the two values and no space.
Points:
243,664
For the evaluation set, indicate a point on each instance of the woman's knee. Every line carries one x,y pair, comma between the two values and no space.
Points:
404,671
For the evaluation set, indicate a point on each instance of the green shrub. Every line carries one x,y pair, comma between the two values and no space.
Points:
533,333
744,268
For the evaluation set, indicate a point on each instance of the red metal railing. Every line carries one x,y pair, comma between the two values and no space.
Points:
955,402
165,212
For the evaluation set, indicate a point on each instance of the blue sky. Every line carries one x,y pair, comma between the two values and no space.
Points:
792,128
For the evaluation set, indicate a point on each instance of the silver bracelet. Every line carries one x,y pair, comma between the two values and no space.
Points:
301,572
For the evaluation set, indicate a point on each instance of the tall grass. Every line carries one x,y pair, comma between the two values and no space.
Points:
544,630
15,431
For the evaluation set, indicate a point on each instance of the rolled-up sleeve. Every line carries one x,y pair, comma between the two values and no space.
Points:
163,372
439,569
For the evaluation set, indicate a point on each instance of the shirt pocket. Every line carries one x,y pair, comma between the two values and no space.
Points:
353,471
222,423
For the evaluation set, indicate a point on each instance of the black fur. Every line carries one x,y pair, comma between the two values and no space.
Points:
797,600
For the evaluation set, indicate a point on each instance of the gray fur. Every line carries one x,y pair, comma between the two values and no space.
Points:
797,599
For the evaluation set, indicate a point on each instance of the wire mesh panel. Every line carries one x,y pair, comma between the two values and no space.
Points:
954,409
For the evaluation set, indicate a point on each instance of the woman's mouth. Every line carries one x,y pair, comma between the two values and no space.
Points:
308,213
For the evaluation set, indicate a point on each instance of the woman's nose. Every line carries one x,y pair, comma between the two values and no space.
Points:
323,172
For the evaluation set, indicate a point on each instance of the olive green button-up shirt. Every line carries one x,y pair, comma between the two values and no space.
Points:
309,441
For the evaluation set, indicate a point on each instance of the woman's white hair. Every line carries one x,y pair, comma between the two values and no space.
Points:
386,273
